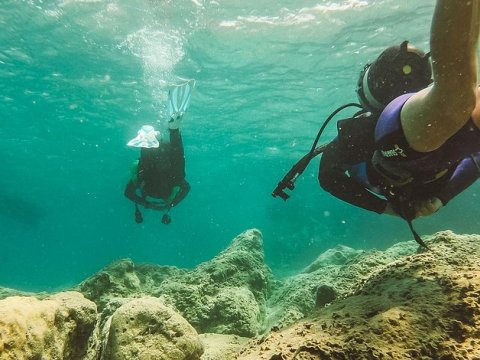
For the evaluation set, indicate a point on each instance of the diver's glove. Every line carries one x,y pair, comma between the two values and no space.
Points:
427,207
175,121
413,209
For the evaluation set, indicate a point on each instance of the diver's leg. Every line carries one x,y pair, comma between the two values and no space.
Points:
177,156
434,114
184,190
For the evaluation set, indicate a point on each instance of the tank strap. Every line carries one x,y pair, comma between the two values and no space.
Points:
396,175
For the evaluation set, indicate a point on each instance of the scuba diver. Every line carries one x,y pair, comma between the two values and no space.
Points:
158,177
415,143
371,157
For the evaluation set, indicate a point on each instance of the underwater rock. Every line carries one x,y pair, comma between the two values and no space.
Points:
221,347
295,297
225,295
6,292
144,329
57,327
22,210
393,304
235,311
339,255
419,306
325,295
125,279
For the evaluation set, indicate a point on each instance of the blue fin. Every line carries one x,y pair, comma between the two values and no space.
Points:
179,98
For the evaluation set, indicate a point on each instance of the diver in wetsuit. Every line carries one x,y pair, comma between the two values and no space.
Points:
419,144
158,177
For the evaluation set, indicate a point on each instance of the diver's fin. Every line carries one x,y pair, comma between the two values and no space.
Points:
179,98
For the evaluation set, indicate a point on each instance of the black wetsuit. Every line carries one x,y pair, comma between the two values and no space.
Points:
160,175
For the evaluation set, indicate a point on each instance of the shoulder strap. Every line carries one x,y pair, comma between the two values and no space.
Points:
357,130
356,136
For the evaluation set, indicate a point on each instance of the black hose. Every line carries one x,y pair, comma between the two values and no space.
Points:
288,180
330,117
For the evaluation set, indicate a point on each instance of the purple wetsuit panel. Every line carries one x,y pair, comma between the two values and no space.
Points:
389,121
391,142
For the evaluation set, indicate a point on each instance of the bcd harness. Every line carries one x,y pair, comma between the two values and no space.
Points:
395,177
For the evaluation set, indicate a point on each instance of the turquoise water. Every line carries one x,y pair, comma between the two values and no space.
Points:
79,77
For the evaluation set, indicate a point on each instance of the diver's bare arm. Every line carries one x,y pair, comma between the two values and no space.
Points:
436,113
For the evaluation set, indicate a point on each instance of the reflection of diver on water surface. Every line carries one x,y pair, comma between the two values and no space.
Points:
158,177
20,210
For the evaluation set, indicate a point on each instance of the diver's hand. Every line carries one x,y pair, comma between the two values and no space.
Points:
427,207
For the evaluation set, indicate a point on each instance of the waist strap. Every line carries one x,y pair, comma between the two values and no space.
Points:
394,175
398,176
